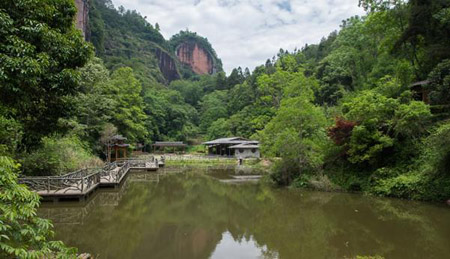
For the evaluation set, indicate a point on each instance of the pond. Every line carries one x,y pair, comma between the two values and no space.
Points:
206,213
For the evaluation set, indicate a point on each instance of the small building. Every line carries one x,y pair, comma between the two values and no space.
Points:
246,150
160,146
222,146
420,91
118,147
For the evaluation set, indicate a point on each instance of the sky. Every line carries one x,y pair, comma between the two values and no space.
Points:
246,33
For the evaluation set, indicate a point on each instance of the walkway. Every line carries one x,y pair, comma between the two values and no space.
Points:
81,183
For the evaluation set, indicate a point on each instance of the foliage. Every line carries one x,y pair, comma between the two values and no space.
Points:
296,135
59,155
192,91
170,118
438,150
95,105
40,51
213,107
380,124
10,135
22,233
219,129
128,115
440,83
342,131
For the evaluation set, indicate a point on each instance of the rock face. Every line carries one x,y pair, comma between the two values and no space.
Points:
167,65
196,57
81,19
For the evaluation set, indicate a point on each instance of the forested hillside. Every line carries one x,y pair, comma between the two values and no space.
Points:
367,109
347,112
124,38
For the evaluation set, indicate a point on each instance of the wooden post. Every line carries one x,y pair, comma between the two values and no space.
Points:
125,153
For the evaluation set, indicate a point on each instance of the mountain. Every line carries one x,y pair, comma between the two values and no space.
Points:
195,53
124,38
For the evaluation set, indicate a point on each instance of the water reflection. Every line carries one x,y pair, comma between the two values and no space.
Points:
228,247
194,215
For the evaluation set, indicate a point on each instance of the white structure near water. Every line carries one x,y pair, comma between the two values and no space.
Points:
233,147
246,150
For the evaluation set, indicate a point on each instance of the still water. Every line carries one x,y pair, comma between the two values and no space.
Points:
207,214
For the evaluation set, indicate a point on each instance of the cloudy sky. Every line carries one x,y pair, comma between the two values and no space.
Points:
247,32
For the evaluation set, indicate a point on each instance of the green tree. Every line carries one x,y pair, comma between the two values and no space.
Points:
192,91
213,107
169,117
94,105
297,135
382,123
128,113
219,129
40,51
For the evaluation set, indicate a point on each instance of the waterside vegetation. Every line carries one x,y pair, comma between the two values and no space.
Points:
345,114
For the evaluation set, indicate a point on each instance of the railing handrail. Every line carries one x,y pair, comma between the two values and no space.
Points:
84,179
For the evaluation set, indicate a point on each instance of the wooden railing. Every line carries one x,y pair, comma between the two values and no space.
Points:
79,181
84,180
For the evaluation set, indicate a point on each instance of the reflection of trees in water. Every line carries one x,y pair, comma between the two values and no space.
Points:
184,216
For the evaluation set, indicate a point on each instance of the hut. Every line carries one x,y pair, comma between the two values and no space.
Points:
222,146
420,91
246,150
118,147
160,146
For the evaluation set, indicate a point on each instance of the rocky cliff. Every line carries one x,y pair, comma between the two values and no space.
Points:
195,53
81,19
167,65
125,38
197,58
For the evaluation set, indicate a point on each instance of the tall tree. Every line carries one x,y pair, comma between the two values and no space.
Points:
128,114
40,50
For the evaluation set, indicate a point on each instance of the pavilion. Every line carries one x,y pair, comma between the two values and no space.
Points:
118,147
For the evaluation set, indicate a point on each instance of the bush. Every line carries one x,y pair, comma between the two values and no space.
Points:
406,186
59,155
22,233
437,153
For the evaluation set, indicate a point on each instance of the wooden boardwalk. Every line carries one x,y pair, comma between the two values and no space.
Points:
80,184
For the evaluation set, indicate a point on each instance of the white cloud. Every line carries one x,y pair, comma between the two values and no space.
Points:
247,32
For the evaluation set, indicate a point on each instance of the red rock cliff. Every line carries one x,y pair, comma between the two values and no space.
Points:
196,57
81,19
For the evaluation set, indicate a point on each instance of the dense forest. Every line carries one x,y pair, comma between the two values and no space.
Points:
366,109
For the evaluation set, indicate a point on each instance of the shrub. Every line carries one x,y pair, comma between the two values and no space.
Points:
407,186
58,155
